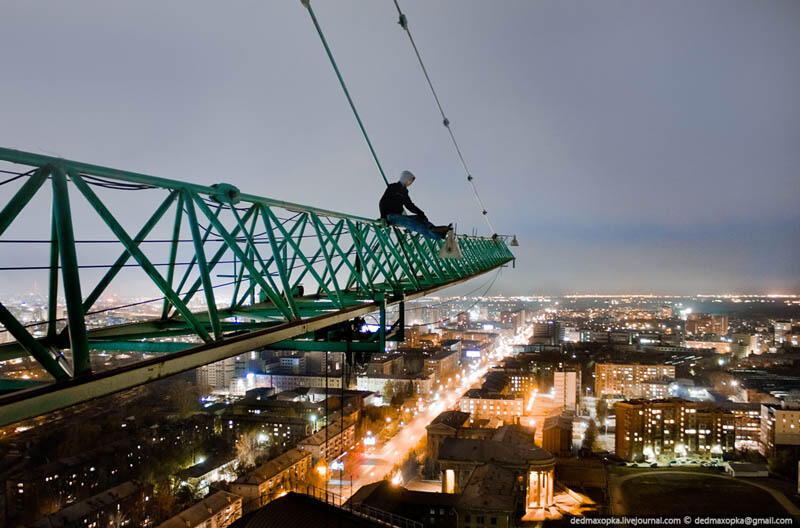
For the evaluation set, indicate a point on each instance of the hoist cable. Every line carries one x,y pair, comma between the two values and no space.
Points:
307,5
403,22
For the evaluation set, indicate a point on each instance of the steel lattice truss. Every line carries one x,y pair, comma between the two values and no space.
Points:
233,271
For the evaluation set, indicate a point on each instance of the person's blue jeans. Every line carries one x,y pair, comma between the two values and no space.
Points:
418,224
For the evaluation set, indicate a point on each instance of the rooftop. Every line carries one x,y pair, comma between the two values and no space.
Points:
490,487
206,466
202,511
332,430
558,420
271,468
485,451
454,419
295,510
481,394
76,512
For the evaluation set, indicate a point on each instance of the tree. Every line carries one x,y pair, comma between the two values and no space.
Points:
163,505
388,391
247,450
783,462
589,436
117,520
601,408
183,397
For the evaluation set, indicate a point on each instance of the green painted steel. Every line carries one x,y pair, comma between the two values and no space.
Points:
69,271
31,345
290,262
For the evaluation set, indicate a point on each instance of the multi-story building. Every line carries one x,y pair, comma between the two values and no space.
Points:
429,314
450,424
485,338
700,323
509,460
520,383
747,417
292,406
294,364
282,431
417,384
284,473
217,376
482,405
384,365
50,487
124,504
202,475
516,319
547,333
719,346
655,389
429,340
781,329
780,427
473,352
673,427
567,385
331,441
442,365
216,511
284,382
557,435
745,345
626,379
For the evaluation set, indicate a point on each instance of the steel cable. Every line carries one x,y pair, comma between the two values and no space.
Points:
403,22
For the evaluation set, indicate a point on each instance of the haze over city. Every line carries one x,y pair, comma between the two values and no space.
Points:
648,147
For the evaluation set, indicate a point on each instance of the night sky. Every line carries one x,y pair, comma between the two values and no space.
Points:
631,146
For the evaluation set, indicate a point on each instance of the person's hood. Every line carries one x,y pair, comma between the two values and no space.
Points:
407,178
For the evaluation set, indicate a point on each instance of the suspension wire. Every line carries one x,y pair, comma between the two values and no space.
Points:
258,240
449,301
307,5
403,21
499,271
13,178
121,307
91,180
16,175
320,258
102,266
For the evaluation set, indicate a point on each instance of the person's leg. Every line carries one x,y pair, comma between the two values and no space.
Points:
425,227
414,223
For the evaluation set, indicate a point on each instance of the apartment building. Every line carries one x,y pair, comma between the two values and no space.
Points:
672,427
627,379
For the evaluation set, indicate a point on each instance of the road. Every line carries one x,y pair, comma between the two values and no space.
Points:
375,466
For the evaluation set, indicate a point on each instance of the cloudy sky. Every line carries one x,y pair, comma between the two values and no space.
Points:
632,146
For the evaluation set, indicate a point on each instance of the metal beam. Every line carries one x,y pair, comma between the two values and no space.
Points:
39,160
76,323
325,346
29,403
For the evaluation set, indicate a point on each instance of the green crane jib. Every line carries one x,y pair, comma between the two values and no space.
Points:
296,270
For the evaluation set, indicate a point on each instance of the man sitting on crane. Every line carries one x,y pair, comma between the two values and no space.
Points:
391,207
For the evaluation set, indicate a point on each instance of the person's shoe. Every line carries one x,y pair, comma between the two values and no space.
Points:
442,230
